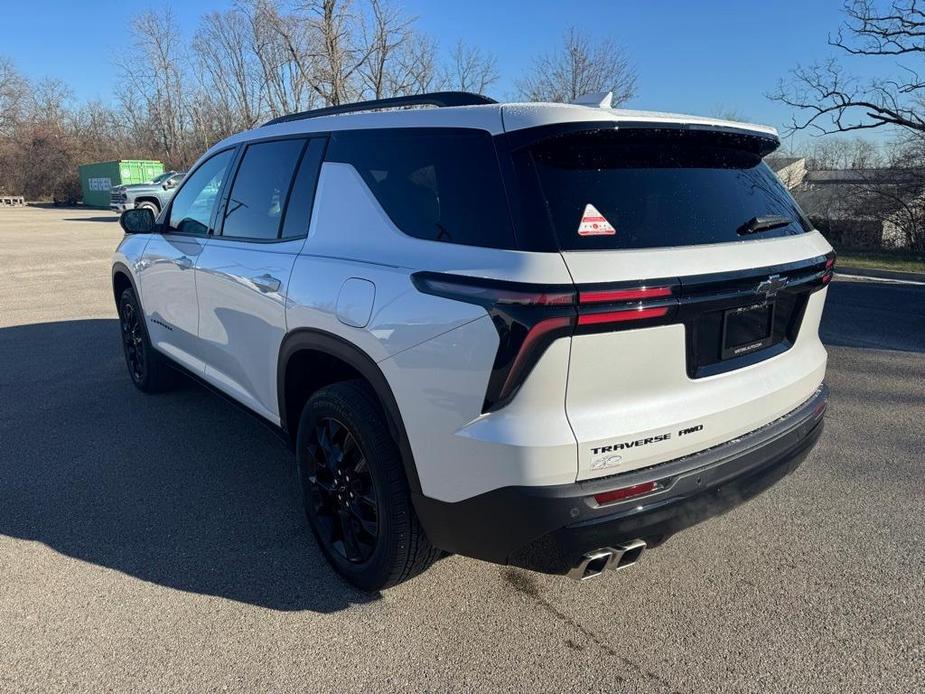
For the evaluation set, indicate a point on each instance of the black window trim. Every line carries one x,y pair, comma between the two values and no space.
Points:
216,231
165,225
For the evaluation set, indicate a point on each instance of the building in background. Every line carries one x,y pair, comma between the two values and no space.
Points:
858,208
790,170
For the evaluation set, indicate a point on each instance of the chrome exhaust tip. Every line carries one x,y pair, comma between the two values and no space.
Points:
630,553
593,564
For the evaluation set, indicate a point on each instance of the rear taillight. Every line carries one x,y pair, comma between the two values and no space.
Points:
604,308
639,313
611,295
829,268
491,292
530,318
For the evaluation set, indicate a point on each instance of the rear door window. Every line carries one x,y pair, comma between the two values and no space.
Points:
261,187
439,184
652,188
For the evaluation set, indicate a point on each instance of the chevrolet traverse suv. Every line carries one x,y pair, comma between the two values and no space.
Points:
542,335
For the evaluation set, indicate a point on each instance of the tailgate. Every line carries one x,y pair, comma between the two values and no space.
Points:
648,391
700,289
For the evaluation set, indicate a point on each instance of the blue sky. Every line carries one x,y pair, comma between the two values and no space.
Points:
696,57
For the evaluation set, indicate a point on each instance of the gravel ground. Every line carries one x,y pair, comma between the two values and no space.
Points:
157,543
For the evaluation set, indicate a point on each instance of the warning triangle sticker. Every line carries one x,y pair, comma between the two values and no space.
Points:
593,223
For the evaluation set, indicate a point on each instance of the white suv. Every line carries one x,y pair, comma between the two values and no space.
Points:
542,335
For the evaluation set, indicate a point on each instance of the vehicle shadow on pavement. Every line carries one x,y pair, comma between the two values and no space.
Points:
870,315
180,489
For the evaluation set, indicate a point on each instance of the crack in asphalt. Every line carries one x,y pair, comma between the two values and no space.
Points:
524,583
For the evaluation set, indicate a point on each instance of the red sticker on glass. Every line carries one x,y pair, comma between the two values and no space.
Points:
593,223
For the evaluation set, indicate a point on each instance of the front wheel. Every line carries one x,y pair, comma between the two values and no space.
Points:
149,370
355,491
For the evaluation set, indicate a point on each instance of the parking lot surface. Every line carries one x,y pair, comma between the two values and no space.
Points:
158,543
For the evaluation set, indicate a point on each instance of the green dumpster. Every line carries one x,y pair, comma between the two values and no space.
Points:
96,180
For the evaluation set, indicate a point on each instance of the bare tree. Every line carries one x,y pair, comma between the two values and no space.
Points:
99,134
285,63
728,113
383,35
415,67
470,69
333,40
156,95
856,153
49,102
829,99
580,66
227,70
179,94
14,91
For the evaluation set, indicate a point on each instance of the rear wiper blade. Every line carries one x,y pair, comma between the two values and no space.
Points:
756,224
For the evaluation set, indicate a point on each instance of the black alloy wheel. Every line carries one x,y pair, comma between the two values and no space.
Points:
150,371
355,491
133,341
343,493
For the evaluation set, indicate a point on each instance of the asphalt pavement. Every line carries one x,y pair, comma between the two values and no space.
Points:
157,543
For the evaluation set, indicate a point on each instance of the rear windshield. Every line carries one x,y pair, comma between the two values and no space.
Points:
653,188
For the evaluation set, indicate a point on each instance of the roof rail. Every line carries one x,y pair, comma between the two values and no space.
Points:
440,99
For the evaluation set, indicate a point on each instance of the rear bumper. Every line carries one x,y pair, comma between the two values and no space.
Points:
549,529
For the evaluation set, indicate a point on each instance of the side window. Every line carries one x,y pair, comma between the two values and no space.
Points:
438,184
260,189
299,210
192,206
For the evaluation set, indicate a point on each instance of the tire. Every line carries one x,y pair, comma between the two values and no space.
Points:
148,369
149,206
355,492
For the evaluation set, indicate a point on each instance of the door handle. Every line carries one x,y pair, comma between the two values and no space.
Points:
183,262
266,283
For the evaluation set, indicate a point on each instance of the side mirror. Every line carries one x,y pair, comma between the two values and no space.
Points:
137,221
169,184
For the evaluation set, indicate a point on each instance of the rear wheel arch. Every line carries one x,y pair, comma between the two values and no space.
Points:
311,359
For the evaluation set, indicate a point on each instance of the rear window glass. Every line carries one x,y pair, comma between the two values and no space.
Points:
435,184
654,188
299,209
260,188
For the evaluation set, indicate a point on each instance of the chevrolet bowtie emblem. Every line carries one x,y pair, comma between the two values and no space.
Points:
771,286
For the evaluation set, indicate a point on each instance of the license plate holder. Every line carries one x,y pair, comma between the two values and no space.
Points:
747,329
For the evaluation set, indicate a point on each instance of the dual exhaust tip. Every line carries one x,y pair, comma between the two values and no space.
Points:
593,564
